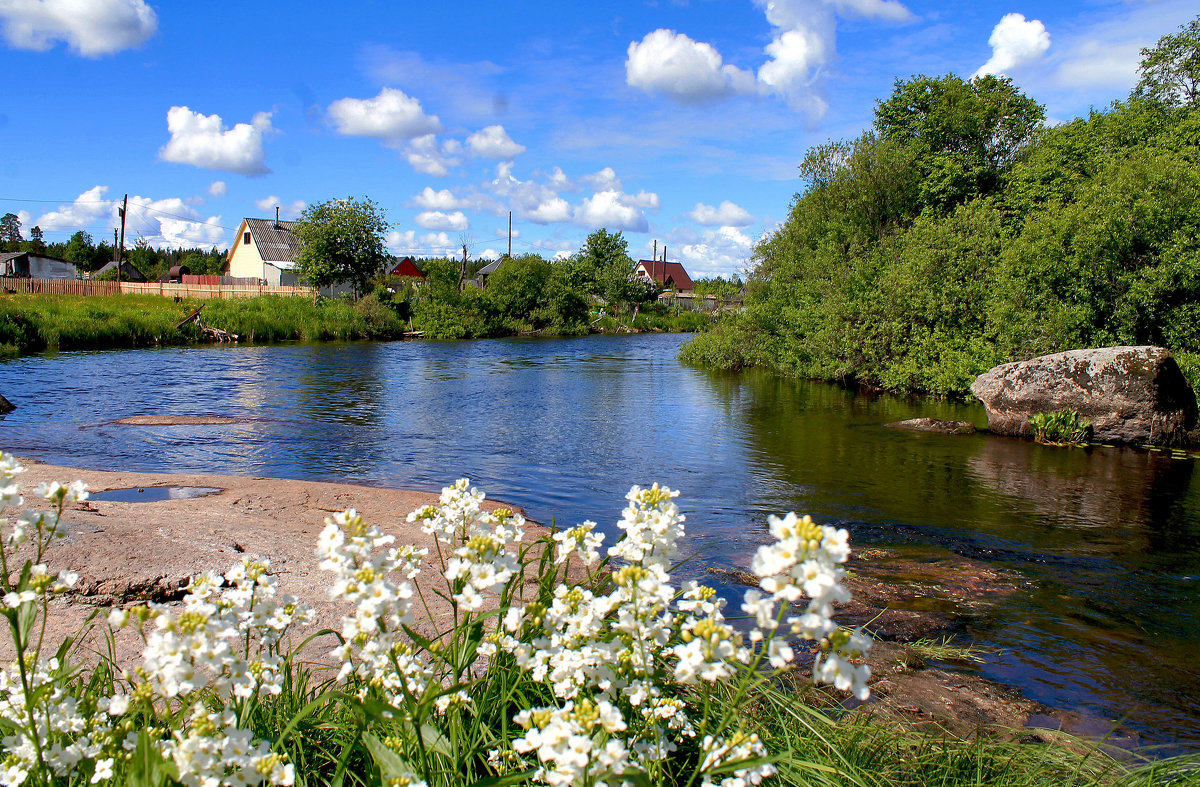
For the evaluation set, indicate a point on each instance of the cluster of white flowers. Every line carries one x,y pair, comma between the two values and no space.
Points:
565,741
215,751
372,574
806,561
50,725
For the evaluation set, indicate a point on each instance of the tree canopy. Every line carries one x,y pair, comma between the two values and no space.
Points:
341,240
1170,70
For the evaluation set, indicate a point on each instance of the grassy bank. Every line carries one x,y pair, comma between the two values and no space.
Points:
35,323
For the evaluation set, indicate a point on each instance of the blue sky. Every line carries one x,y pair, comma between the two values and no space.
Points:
676,121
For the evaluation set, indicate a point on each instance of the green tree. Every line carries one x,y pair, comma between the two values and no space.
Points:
965,133
79,249
10,232
592,265
36,242
1171,69
341,240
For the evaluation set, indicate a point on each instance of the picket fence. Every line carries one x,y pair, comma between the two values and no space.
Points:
173,290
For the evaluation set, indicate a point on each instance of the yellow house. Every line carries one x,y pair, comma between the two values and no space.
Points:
264,249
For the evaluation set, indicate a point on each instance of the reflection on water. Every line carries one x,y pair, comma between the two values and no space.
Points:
1107,540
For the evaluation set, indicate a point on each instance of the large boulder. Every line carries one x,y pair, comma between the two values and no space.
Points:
1130,394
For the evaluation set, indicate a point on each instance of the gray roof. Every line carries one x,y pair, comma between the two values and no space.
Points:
128,271
490,268
276,244
8,255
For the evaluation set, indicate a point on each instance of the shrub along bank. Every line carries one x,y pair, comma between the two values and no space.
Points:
960,232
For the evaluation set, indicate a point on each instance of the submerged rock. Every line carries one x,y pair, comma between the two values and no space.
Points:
934,425
1129,394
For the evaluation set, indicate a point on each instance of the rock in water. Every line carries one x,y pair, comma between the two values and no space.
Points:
6,406
934,425
1130,394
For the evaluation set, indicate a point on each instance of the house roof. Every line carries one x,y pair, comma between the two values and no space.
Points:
276,244
11,255
490,268
661,271
128,272
406,267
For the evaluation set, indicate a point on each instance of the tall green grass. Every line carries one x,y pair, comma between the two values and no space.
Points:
36,323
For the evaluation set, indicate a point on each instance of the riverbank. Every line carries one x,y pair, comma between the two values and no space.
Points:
146,547
31,324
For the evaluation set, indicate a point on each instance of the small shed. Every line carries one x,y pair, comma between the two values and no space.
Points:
407,268
486,271
36,266
128,272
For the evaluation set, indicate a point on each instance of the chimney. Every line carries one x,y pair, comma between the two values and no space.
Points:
276,217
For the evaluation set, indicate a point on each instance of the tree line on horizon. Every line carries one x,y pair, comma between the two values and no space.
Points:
960,231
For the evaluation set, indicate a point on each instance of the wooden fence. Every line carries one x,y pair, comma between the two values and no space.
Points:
93,287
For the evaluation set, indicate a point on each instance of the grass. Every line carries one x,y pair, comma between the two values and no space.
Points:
945,648
36,323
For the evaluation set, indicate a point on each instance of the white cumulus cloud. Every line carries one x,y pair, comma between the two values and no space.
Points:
217,189
88,27
608,209
727,214
688,71
442,199
889,10
287,210
494,142
390,115
430,157
437,220
88,208
204,141
1015,41
720,252
553,210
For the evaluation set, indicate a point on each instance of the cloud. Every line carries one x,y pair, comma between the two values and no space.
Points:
494,142
435,244
888,10
528,199
1101,64
87,209
727,214
491,255
691,72
91,29
443,199
287,211
608,209
389,115
217,189
605,179
426,155
203,141
719,252
1014,42
502,232
643,199
437,220
553,210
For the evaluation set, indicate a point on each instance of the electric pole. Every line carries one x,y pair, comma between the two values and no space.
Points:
121,245
510,234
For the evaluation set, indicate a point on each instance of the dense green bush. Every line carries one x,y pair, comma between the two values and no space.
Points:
958,233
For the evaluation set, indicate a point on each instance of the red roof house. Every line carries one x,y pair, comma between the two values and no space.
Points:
406,267
670,275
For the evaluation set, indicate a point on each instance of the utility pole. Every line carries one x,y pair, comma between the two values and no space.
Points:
121,245
510,234
114,244
654,256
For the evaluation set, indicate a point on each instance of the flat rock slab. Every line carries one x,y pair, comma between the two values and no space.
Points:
180,420
1129,394
128,553
934,425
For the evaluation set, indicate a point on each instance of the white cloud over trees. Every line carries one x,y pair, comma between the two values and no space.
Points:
1015,41
727,214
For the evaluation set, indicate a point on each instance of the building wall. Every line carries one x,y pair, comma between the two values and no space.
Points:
246,262
50,268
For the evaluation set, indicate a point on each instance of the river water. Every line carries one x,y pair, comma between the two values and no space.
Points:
1106,542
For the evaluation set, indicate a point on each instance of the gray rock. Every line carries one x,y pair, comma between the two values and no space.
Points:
1130,394
6,406
934,425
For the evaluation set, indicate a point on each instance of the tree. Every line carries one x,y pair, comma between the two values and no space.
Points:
591,269
79,248
36,242
964,134
1171,69
10,232
341,240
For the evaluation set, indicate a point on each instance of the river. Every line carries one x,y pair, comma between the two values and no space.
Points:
1106,541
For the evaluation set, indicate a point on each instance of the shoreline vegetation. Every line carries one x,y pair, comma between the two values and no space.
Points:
444,722
962,231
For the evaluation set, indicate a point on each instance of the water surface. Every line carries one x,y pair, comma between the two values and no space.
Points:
1107,541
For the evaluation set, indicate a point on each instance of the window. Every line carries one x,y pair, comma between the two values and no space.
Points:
246,238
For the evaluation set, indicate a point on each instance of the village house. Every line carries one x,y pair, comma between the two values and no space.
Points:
264,250
407,268
668,275
36,266
128,271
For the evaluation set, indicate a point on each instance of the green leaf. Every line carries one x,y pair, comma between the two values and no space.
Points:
390,763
